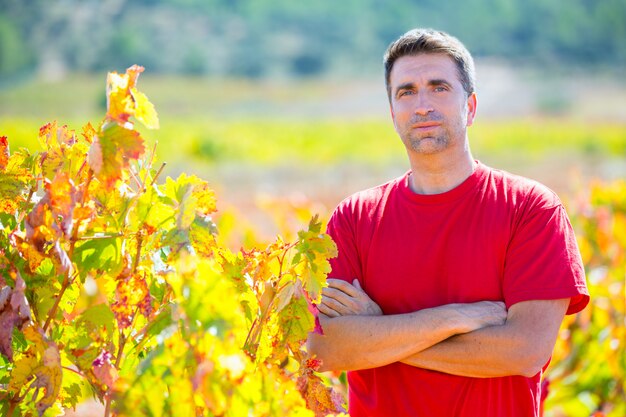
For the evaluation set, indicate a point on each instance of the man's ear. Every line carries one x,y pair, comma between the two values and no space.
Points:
471,109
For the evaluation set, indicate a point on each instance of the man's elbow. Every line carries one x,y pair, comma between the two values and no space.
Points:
532,363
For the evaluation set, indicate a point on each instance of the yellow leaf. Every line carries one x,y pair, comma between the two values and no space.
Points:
23,370
144,110
49,376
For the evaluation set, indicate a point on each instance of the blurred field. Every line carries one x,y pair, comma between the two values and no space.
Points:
320,140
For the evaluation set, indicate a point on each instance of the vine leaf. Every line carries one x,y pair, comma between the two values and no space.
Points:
111,151
50,220
15,178
131,294
41,363
192,201
104,370
120,103
88,133
56,140
49,377
4,152
124,100
295,319
319,398
311,262
144,110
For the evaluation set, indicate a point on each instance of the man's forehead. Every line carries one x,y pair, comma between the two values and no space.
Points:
427,65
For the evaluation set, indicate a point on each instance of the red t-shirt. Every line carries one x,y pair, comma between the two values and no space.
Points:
494,237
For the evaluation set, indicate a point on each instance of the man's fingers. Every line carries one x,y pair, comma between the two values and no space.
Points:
327,311
346,299
341,303
343,286
338,295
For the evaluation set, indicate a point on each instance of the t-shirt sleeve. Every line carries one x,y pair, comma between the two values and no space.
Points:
346,265
543,261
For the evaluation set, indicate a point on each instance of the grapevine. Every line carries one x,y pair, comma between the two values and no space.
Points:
113,284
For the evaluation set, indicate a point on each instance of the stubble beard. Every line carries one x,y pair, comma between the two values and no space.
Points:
429,145
435,142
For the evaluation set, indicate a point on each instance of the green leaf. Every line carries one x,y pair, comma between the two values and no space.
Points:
152,212
97,316
100,255
296,320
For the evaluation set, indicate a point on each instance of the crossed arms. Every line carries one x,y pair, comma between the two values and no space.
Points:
477,339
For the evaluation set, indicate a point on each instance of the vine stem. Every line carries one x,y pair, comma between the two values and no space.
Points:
12,406
133,175
158,173
67,281
107,407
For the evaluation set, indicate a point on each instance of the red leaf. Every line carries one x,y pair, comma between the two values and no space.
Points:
14,312
104,370
4,152
319,398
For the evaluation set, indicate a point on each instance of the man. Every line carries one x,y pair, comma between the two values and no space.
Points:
451,281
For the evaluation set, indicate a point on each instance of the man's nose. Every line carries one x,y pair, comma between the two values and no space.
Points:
422,105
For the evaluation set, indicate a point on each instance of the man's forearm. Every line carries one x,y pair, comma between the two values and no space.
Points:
519,347
489,352
362,342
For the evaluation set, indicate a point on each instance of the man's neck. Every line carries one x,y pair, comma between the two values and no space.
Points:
436,174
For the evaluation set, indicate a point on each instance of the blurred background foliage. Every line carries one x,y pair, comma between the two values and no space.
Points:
259,38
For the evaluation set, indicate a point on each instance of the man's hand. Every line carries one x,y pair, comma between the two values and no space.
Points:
342,299
474,316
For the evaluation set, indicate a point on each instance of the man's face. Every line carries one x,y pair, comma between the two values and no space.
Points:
430,109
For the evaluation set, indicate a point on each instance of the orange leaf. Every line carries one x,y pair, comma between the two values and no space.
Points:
88,132
112,150
131,295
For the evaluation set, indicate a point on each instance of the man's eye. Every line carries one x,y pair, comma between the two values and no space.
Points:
405,93
440,89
